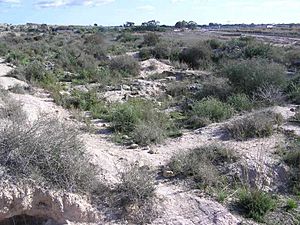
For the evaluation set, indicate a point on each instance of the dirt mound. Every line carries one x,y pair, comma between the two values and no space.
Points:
17,200
153,66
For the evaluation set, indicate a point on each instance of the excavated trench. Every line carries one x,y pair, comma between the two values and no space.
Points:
28,220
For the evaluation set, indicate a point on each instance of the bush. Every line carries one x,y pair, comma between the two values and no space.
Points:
217,87
212,109
269,95
47,151
151,39
257,49
255,204
201,164
136,186
197,56
249,75
240,102
125,65
291,204
141,121
257,125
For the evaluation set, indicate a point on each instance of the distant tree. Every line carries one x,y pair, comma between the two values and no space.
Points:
192,25
181,24
129,24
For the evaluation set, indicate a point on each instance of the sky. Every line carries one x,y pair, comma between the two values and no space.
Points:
168,12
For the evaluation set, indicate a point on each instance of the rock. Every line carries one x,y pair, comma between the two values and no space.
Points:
151,151
168,173
147,148
133,146
126,87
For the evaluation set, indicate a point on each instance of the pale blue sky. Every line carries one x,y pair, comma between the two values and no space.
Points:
117,12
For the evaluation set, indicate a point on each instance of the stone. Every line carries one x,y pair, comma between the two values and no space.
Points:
168,173
133,146
151,151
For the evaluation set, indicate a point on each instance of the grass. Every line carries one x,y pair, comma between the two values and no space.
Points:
255,204
208,110
141,121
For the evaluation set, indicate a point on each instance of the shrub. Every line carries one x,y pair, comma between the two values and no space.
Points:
151,39
47,151
293,90
249,75
125,65
197,56
141,121
255,204
145,53
124,117
269,95
217,87
146,133
201,164
136,186
212,109
240,102
260,124
127,37
291,204
257,49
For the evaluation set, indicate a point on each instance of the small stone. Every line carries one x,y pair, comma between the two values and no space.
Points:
292,110
168,173
151,151
147,148
126,87
133,146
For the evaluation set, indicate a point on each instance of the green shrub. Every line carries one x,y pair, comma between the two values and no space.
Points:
257,49
198,56
255,204
145,53
125,65
249,75
212,109
127,37
217,87
141,121
3,49
151,39
257,125
240,102
291,204
201,164
124,117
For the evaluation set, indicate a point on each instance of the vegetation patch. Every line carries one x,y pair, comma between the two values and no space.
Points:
257,125
201,165
46,150
255,204
208,110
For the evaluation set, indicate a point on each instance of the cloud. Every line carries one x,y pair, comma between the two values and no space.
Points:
66,3
146,8
10,1
175,1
